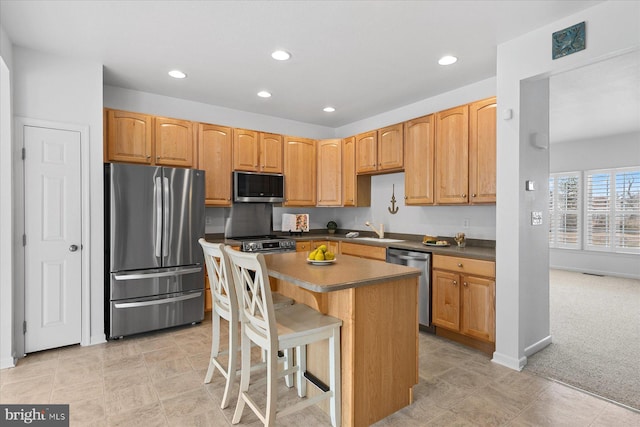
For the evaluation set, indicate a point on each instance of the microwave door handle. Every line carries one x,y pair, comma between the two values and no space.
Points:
157,188
165,216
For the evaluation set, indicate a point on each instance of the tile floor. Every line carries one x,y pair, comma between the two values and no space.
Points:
156,379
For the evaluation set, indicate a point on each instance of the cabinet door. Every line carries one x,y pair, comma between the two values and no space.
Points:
452,155
446,300
246,150
363,251
366,152
270,153
482,151
418,160
129,137
349,171
390,148
478,308
215,159
174,143
330,172
300,171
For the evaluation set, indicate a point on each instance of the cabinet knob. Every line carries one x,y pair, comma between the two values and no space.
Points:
148,156
455,282
473,195
405,197
460,264
464,195
158,157
465,284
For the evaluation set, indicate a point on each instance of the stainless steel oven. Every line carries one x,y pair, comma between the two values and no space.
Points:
268,244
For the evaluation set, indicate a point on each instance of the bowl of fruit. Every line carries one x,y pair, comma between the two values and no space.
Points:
321,256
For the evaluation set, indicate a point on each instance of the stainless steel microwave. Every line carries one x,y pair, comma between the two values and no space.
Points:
255,187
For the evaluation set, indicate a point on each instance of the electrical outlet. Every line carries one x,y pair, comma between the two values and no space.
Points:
208,220
465,223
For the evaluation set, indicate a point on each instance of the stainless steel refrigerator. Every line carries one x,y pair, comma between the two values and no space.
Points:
154,274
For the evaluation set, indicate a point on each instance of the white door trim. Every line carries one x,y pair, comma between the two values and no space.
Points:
20,123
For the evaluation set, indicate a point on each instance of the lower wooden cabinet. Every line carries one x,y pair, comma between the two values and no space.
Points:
464,297
364,251
208,304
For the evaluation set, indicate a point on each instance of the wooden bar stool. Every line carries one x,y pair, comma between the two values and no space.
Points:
290,327
224,299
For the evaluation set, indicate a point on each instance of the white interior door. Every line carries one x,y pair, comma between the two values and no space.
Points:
53,229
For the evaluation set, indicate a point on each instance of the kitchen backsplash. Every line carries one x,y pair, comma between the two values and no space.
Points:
477,222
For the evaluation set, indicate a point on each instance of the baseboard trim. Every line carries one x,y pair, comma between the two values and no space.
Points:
508,361
536,347
98,339
7,362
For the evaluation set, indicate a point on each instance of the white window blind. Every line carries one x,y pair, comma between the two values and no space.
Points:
564,211
613,210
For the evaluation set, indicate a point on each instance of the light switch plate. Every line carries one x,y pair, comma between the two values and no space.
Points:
536,218
530,185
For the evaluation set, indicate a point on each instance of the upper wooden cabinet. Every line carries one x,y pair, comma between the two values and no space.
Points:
380,151
419,145
330,172
257,151
482,151
174,142
356,189
300,171
129,137
142,138
214,146
452,156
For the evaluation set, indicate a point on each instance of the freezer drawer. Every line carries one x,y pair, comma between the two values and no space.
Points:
156,281
138,315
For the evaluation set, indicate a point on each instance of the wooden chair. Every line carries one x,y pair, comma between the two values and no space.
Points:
290,327
224,299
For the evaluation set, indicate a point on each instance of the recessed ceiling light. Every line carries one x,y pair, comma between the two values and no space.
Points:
281,55
264,94
447,60
177,74
329,109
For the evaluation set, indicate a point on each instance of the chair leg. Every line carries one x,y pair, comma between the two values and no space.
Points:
245,375
272,390
215,346
231,366
301,360
288,362
335,379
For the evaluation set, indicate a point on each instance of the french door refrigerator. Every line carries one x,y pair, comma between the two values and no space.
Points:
154,274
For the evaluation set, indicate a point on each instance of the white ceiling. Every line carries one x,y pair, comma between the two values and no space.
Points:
361,57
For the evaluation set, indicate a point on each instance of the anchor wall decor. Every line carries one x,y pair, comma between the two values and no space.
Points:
393,209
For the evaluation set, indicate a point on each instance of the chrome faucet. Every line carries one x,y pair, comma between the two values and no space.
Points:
380,232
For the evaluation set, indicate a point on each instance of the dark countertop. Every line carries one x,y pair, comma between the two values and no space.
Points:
477,249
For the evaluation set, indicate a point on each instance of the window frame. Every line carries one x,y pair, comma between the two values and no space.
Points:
555,212
613,211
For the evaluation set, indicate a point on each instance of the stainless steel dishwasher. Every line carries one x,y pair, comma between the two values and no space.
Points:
422,261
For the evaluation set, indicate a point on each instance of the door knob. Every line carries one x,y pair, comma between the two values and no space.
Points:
73,248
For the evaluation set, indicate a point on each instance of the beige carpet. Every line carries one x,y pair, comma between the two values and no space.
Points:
595,327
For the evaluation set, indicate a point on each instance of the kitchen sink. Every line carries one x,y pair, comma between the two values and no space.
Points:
376,239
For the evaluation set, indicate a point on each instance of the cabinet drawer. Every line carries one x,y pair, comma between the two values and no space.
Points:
363,251
465,265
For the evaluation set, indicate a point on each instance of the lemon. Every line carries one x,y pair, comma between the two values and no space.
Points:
319,256
322,248
312,254
329,255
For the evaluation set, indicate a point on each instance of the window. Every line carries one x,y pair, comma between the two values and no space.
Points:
564,211
613,210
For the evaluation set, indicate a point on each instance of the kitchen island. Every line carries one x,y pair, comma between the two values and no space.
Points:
378,305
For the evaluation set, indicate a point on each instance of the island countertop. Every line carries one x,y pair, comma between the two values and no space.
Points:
346,272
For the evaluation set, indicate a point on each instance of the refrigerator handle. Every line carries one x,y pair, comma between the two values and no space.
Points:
158,200
165,216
